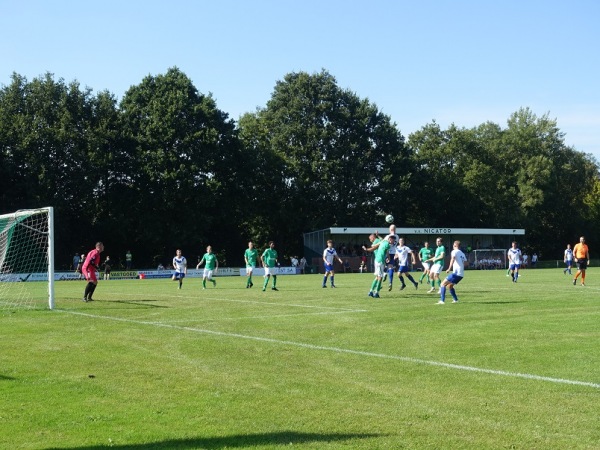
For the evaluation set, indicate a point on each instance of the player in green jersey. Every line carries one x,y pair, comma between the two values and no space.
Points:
210,268
424,254
437,262
381,248
251,258
269,262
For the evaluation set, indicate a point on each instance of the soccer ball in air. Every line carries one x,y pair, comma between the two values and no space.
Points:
389,218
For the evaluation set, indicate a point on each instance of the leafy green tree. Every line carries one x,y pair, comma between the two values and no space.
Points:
45,133
331,157
446,172
549,177
522,176
187,157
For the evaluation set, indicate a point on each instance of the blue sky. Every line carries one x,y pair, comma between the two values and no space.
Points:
463,62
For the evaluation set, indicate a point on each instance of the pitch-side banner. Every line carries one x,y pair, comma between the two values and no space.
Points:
191,273
74,276
41,276
259,271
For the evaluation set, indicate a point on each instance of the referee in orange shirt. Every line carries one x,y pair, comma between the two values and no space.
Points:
581,254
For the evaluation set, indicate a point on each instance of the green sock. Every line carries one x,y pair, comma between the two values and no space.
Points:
274,280
374,285
204,282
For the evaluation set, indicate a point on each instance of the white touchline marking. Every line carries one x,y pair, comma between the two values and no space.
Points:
347,351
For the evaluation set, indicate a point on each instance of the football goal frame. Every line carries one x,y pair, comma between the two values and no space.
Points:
26,257
488,259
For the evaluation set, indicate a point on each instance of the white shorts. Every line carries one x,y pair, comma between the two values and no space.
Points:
270,271
208,273
379,269
426,265
436,268
249,270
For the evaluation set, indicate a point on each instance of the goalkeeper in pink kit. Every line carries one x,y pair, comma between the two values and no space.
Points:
90,271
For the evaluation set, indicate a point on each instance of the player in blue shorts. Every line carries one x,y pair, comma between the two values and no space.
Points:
402,252
514,260
180,266
457,265
329,256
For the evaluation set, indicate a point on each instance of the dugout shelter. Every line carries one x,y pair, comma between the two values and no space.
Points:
348,241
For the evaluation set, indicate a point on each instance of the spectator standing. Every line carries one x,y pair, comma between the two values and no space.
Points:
302,265
80,266
76,260
107,268
534,260
347,268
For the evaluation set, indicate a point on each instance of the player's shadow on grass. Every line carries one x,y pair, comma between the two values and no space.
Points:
4,377
235,441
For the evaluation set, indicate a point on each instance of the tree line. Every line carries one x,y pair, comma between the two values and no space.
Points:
165,168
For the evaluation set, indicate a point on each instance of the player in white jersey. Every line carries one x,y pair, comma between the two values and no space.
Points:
391,256
402,252
180,266
568,259
329,256
457,266
514,261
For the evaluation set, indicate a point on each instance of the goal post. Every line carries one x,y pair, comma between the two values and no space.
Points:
488,259
27,259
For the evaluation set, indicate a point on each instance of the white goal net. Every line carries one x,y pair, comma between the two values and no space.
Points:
27,259
489,259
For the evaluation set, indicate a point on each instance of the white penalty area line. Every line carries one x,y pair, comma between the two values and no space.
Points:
348,351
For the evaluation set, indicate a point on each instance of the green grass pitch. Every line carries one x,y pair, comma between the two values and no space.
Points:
148,366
